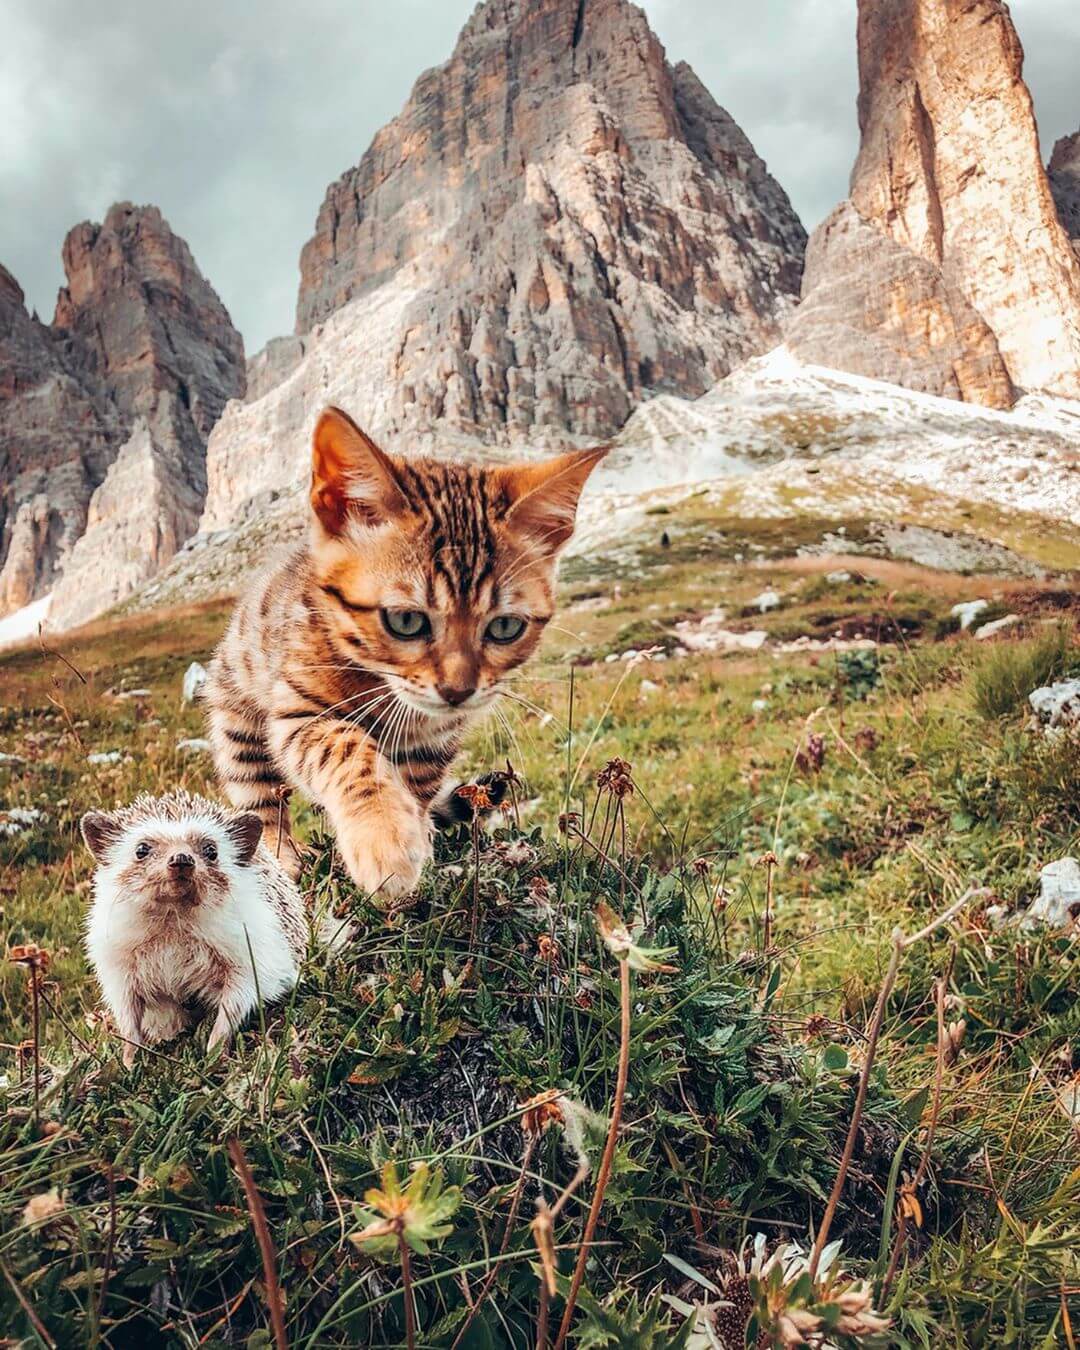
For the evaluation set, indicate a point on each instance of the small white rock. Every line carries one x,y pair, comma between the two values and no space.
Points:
759,704
135,693
193,745
194,679
837,578
767,600
1056,705
103,757
648,687
966,610
610,658
996,626
1059,893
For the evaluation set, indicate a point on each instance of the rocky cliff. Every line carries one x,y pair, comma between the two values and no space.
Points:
104,416
946,269
57,437
1064,174
557,226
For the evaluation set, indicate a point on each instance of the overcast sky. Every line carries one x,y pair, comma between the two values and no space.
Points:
233,116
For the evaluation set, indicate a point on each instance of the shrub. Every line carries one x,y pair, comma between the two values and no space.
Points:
1009,672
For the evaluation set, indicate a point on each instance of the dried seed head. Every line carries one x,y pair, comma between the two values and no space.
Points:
954,1039
547,949
616,777
701,866
541,1112
43,1208
29,954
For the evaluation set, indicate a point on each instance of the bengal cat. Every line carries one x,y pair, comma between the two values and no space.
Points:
353,670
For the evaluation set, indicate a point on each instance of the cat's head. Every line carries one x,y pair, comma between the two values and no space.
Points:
439,576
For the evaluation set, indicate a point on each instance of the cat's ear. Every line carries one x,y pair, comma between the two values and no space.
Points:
544,497
351,476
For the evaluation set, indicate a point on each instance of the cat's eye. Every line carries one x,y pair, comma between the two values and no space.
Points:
505,628
209,850
142,851
406,623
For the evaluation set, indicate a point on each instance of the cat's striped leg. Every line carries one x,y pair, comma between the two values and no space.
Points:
250,779
382,831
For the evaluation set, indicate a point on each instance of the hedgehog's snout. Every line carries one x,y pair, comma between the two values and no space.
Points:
181,863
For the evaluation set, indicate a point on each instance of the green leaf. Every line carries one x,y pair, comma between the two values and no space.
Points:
835,1057
715,1041
685,1268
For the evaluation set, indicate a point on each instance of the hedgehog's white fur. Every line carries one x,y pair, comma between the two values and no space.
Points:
243,942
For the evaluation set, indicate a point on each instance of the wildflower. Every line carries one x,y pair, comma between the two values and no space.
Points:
701,866
539,890
416,1214
30,955
477,796
547,949
620,943
516,853
569,822
615,777
811,757
815,1025
954,1038
909,1205
866,739
43,1208
541,1112
772,1298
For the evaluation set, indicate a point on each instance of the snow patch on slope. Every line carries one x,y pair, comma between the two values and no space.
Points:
23,623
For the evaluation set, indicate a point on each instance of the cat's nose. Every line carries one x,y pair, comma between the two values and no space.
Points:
181,862
454,694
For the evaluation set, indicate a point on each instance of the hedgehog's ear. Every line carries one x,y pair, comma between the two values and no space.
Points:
101,831
245,832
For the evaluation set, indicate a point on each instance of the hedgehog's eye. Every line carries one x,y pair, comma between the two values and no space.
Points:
209,850
142,851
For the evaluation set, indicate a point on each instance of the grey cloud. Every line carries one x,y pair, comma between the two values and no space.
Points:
233,116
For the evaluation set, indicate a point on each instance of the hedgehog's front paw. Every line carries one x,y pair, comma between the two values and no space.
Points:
163,1022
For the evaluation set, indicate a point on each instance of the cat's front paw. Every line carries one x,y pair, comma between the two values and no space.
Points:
388,863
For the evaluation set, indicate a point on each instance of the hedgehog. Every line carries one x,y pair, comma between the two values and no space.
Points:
190,911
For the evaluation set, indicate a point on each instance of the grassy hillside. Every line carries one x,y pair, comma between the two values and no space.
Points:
783,813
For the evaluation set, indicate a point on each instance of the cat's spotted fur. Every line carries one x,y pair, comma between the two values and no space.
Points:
313,685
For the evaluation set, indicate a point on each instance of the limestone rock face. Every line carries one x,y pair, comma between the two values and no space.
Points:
57,436
147,322
940,81
558,225
891,315
137,520
139,341
1064,175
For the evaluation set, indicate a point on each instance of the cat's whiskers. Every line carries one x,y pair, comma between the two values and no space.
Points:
532,707
511,734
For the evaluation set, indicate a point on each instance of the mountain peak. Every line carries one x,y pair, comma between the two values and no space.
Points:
946,269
